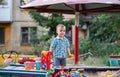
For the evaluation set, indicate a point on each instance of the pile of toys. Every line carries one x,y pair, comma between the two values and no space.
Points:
44,63
68,73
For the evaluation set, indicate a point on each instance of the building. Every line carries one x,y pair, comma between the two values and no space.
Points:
16,25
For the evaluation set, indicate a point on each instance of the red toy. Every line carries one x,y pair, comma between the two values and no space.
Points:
24,59
61,73
46,60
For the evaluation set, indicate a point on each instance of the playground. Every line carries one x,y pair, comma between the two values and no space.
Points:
103,40
33,66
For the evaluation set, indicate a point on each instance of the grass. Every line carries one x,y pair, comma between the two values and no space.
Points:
94,61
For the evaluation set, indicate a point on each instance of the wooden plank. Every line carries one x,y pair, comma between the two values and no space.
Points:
114,56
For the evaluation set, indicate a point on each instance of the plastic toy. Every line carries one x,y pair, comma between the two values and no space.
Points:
24,59
44,53
29,65
77,73
73,73
37,63
108,73
70,55
61,73
46,60
81,72
9,59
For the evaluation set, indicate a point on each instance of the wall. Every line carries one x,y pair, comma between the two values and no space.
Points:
21,18
6,11
7,35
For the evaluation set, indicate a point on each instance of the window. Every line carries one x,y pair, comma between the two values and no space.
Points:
27,35
24,2
2,36
3,3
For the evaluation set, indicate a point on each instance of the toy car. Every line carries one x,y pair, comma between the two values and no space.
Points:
21,60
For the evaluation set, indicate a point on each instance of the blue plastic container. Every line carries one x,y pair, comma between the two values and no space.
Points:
37,65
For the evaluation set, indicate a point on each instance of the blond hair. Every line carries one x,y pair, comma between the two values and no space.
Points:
60,25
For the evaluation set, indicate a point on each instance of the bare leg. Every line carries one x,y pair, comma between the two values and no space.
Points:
62,67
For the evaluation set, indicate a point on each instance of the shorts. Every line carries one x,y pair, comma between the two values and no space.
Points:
60,62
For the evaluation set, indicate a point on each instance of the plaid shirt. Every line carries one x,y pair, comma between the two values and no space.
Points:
59,47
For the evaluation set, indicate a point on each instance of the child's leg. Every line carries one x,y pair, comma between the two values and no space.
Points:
62,68
56,63
63,63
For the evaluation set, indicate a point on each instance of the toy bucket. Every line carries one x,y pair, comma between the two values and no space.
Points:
29,65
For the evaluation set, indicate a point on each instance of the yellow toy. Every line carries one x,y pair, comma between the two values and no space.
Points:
70,55
44,53
108,73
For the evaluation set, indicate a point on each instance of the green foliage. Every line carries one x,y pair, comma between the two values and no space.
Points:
98,49
105,28
84,45
1,1
40,43
50,21
104,32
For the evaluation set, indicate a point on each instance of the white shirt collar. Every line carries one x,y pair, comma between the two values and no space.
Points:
59,37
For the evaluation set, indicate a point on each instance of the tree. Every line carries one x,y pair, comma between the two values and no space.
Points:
50,22
105,28
1,1
104,32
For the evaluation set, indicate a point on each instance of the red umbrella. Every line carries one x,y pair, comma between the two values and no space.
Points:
77,7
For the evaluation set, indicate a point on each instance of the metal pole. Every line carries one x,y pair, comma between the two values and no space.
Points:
76,39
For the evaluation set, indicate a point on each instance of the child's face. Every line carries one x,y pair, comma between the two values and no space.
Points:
61,31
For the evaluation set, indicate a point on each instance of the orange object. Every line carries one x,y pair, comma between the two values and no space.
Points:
71,55
29,65
44,53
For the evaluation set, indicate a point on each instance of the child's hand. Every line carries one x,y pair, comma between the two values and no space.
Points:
70,55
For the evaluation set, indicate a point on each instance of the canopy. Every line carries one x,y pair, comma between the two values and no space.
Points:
70,6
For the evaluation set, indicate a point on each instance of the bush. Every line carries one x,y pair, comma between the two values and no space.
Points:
98,48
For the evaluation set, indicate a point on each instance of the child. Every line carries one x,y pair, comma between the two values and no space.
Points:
59,46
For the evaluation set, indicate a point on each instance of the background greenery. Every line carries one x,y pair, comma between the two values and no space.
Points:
1,1
103,36
101,42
